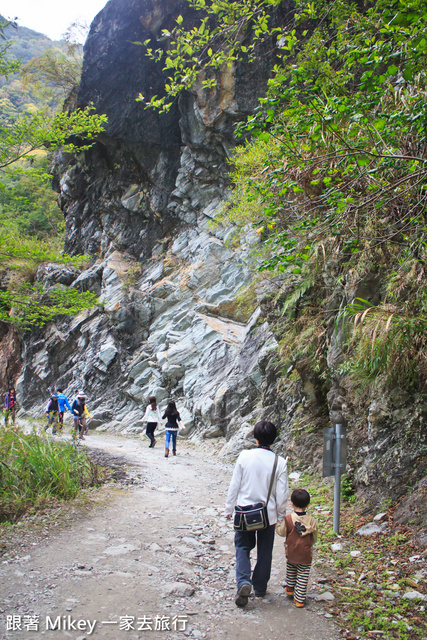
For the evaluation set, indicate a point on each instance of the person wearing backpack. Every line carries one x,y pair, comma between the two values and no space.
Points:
52,411
80,412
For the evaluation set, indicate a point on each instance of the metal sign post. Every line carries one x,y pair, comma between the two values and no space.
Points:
334,459
337,485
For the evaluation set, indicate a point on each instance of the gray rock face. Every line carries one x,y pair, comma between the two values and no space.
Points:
141,201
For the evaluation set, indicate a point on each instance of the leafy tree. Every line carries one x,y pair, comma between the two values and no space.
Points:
25,303
37,131
7,65
73,131
28,204
55,73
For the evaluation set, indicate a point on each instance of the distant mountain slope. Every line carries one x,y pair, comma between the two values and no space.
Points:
26,43
16,97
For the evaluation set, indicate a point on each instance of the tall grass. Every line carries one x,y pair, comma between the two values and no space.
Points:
34,469
389,341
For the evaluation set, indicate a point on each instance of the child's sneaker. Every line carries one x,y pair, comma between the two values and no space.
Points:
289,591
299,604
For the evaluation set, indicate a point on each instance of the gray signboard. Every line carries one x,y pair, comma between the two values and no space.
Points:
329,450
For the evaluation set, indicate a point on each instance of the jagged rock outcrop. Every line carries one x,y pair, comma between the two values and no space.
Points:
142,202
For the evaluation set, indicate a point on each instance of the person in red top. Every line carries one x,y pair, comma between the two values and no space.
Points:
300,530
10,406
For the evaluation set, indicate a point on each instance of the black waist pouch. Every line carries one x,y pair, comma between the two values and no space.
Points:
251,517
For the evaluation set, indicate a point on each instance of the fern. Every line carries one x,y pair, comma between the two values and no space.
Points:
300,290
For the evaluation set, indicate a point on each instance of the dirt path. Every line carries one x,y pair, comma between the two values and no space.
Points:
155,561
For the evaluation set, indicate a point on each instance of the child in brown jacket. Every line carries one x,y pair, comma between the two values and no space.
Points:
300,530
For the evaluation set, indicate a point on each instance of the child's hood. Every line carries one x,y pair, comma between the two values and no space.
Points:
307,524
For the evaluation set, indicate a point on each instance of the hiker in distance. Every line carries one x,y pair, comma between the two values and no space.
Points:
52,412
172,418
80,412
63,402
153,418
260,476
10,406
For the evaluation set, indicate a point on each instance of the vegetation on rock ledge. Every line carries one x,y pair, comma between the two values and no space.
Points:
338,193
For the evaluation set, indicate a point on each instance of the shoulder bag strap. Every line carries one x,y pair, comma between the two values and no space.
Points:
276,457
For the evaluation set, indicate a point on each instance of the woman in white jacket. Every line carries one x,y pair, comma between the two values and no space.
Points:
152,417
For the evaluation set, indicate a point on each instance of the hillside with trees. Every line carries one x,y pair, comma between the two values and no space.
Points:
48,70
31,224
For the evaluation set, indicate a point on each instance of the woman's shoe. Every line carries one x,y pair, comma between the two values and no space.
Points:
166,453
174,452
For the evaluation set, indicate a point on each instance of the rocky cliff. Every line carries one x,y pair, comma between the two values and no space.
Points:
172,318
142,202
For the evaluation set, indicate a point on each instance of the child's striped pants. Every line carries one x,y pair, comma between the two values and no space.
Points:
297,579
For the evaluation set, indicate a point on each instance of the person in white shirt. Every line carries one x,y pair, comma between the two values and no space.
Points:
152,417
249,484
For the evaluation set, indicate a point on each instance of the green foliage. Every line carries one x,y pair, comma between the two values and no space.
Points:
22,255
34,469
376,604
48,72
24,303
54,74
391,342
30,132
244,205
348,493
27,209
198,53
31,305
7,64
33,128
28,204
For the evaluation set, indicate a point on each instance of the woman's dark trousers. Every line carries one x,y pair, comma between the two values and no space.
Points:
244,542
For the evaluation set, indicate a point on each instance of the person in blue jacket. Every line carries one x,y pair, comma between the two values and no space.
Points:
52,412
62,402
